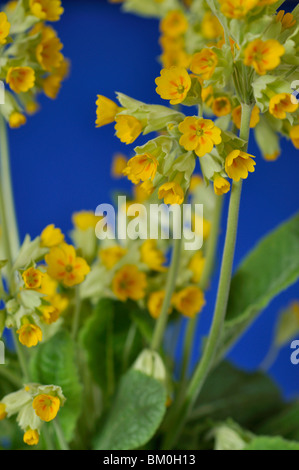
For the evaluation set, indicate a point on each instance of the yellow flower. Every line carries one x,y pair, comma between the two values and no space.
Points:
30,335
85,220
189,301
172,57
237,8
197,265
173,84
129,283
282,104
237,116
32,108
31,437
221,186
211,27
294,135
48,285
286,19
46,407
196,181
151,256
155,303
50,314
20,79
141,168
51,85
273,157
128,128
143,191
118,165
48,51
17,120
221,106
199,135
263,55
204,63
174,24
46,10
111,256
172,193
3,413
4,28
32,278
65,266
238,164
51,236
59,302
106,111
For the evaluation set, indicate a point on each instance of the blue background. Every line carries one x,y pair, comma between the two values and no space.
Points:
61,162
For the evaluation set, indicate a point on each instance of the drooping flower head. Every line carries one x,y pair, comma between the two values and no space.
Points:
30,335
128,128
129,283
221,186
141,168
282,104
31,437
106,111
20,79
4,28
238,164
46,407
263,55
46,10
172,193
204,63
174,24
189,301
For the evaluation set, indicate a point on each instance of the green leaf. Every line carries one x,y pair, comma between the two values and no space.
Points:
247,398
284,423
271,443
269,269
54,363
136,414
104,337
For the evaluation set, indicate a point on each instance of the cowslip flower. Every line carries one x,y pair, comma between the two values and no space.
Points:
51,236
85,220
31,437
16,120
221,106
211,27
112,255
4,28
189,301
203,63
46,407
32,278
106,111
172,193
51,85
196,266
30,335
65,266
173,84
221,186
118,165
199,135
237,116
152,256
238,164
237,8
128,128
294,135
48,50
50,314
174,24
263,55
3,413
272,157
282,104
155,304
129,283
46,10
20,79
141,168
286,19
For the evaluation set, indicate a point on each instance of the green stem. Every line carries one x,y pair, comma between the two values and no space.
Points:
22,358
59,434
77,312
11,377
170,287
210,350
7,189
204,282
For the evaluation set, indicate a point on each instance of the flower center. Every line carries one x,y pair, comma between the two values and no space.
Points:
199,132
69,268
181,89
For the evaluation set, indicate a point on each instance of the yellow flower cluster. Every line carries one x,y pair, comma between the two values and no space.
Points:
32,67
